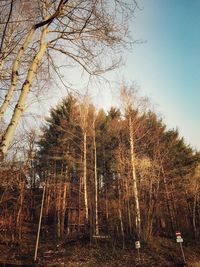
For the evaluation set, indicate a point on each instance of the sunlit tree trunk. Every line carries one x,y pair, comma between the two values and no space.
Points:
24,92
76,23
15,75
63,209
134,178
85,174
95,180
84,105
127,204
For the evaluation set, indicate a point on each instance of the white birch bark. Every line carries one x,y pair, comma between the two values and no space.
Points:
77,22
85,174
83,123
14,77
95,181
19,108
135,189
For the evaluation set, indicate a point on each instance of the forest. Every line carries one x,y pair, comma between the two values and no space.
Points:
90,186
117,176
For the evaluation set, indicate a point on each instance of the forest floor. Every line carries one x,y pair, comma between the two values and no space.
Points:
160,252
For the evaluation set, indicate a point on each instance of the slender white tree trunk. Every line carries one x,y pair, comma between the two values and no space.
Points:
135,189
39,225
95,180
14,77
19,108
120,209
85,174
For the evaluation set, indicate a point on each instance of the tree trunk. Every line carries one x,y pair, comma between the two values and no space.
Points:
120,211
194,212
63,210
59,210
19,108
135,189
19,214
79,203
169,207
95,181
14,77
85,174
147,230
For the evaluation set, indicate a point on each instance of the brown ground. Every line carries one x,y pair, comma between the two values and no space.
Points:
160,252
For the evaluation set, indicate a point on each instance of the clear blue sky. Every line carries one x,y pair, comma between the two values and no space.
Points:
167,65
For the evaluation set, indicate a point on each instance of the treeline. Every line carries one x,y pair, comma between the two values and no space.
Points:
119,173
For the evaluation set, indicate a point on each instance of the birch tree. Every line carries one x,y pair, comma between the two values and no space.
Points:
95,175
84,107
86,33
131,105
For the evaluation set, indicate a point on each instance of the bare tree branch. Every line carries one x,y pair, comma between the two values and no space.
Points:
5,28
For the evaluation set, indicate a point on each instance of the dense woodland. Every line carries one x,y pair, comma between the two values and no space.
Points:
119,174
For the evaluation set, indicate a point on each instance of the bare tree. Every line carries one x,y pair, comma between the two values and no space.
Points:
88,33
95,175
133,105
84,106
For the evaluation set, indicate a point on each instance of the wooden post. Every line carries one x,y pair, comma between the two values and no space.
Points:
137,246
183,255
179,240
39,226
139,259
